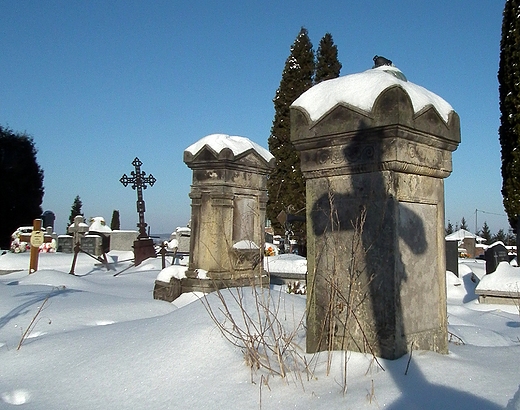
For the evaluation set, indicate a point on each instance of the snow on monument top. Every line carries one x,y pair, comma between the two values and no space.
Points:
362,89
238,145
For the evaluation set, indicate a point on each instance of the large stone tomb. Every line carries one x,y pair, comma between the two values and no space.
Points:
374,151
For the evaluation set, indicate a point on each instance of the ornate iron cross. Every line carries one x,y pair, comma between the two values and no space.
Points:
138,179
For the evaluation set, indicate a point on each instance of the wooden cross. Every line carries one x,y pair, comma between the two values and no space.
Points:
35,238
139,181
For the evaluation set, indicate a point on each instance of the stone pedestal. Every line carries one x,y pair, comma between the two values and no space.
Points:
375,213
143,249
229,196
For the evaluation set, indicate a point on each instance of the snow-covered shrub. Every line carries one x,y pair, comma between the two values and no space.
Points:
17,245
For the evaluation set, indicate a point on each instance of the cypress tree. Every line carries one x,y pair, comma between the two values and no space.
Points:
509,95
21,184
75,209
327,63
286,185
115,224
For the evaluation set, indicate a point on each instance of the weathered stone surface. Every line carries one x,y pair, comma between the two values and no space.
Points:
92,244
168,291
65,244
375,224
229,195
122,240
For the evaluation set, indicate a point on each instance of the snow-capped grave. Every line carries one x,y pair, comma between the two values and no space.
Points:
361,90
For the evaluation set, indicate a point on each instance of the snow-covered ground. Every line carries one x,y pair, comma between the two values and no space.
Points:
102,342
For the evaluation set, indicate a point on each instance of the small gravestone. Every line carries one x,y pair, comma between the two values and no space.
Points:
495,254
65,244
183,239
92,244
452,257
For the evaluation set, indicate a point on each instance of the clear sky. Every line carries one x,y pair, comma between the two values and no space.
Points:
97,83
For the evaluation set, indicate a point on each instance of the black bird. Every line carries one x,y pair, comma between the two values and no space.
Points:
379,61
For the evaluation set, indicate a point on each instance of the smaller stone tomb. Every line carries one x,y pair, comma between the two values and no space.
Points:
228,201
65,244
495,254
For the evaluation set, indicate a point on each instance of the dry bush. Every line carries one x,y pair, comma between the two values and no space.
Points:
267,334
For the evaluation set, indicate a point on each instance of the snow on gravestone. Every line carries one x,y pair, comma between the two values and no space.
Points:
495,254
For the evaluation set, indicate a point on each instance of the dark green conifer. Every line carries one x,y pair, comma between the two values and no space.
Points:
509,96
499,236
449,229
286,185
327,63
21,184
75,209
115,223
485,233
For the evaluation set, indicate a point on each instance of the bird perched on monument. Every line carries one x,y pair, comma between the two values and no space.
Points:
379,61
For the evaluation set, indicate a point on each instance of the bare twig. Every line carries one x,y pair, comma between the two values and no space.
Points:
33,323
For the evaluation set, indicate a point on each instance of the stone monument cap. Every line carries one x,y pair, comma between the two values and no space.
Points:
98,224
361,90
219,142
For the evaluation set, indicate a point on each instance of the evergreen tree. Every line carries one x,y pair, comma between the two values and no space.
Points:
485,233
449,229
509,97
327,63
499,236
510,238
286,185
75,210
115,224
463,224
21,184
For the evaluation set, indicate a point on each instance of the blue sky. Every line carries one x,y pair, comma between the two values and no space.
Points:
97,83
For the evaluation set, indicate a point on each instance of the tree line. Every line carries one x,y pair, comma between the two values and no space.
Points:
508,238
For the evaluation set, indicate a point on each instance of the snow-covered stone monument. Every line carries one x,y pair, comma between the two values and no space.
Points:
228,200
375,149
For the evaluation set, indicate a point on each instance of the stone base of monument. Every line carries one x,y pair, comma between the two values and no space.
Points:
169,291
143,249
